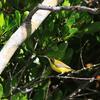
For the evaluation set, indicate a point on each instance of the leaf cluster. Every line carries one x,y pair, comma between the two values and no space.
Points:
70,36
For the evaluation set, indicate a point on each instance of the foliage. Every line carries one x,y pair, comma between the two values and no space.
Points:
63,35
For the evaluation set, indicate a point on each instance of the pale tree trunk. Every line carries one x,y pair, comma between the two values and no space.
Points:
25,30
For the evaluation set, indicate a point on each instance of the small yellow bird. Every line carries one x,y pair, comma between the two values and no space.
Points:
59,66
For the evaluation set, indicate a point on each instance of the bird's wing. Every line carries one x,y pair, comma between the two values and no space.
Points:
60,64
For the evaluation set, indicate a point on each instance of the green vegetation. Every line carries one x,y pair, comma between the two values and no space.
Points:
69,36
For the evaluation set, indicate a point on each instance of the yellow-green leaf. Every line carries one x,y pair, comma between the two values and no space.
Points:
2,21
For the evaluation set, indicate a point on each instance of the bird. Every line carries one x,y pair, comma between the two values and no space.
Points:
59,66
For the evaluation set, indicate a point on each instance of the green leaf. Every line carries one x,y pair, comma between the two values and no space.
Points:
8,28
18,17
73,30
19,96
98,37
0,4
68,55
57,95
26,13
92,28
58,51
2,21
1,90
76,15
66,3
41,93
70,21
51,25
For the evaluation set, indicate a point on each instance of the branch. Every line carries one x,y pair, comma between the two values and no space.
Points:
70,8
83,86
31,24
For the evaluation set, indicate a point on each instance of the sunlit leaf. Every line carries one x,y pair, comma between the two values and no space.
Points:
2,21
26,13
70,21
66,3
1,90
73,30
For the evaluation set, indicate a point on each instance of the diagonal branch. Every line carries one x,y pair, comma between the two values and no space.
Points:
30,25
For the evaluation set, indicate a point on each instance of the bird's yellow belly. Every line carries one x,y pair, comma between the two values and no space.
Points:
61,69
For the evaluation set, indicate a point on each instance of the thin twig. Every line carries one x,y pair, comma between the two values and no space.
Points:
81,87
84,94
47,90
74,78
81,53
92,90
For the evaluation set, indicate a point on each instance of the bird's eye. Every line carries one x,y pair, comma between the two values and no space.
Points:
52,60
